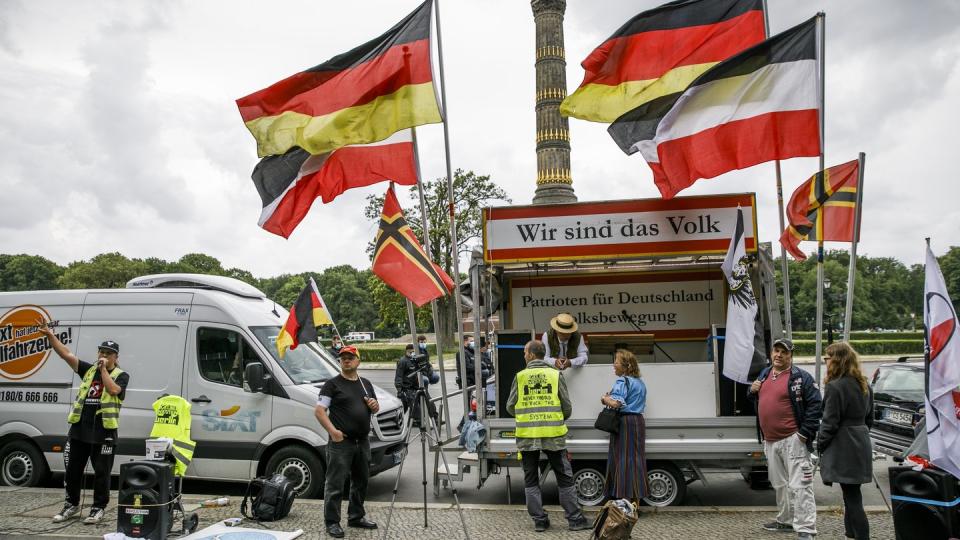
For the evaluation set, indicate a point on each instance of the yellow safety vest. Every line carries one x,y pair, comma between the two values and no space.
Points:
109,410
172,420
538,412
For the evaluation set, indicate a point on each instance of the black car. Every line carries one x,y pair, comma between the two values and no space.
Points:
898,390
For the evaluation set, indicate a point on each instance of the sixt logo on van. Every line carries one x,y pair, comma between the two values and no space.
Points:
23,349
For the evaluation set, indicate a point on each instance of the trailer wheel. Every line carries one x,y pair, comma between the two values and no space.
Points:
666,485
303,467
590,481
22,465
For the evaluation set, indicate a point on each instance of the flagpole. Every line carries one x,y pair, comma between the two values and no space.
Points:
821,26
784,267
454,245
425,227
851,277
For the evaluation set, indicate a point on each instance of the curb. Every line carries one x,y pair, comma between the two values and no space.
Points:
873,509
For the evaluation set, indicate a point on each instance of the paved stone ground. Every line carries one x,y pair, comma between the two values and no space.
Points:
25,513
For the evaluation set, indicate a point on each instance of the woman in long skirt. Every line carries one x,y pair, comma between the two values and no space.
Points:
626,456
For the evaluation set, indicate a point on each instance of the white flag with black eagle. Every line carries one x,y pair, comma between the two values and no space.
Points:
743,345
943,370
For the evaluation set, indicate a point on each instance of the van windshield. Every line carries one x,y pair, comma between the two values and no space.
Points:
304,364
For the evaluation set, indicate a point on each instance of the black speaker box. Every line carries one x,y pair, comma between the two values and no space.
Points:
732,395
924,504
509,362
144,503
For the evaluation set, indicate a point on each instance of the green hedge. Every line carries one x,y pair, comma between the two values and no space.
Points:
388,353
806,347
866,336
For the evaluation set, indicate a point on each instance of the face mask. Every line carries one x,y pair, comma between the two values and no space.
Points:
470,345
423,346
409,355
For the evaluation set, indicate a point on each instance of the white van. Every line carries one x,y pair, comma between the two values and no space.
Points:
209,339
359,336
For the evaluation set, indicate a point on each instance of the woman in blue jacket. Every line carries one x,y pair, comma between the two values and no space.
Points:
626,459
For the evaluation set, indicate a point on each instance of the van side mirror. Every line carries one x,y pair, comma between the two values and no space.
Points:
253,376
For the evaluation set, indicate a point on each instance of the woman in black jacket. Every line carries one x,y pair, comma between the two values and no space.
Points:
844,439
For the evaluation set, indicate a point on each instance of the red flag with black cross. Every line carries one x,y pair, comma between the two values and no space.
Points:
400,261
306,314
823,208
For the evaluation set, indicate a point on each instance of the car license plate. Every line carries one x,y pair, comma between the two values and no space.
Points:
898,417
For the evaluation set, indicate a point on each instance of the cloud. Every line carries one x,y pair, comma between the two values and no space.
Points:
121,133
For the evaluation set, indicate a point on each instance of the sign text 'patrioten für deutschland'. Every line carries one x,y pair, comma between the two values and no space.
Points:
616,229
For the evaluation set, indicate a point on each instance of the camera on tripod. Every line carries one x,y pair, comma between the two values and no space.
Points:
419,364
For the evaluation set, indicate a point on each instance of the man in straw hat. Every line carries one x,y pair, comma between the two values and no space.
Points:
563,340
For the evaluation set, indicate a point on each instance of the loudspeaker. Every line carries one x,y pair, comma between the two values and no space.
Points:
509,362
144,504
924,504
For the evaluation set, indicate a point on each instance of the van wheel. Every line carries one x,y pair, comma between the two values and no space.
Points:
590,481
22,465
666,485
303,467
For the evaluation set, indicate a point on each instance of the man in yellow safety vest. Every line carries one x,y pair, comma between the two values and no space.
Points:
540,403
94,419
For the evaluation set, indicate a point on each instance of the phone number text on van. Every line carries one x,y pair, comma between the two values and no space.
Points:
29,397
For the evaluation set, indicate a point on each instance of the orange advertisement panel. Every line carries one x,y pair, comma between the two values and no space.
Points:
23,349
627,229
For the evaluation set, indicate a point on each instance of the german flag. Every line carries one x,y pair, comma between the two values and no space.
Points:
399,260
823,208
660,52
358,97
306,314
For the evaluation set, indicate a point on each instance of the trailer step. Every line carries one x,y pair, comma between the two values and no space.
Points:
464,462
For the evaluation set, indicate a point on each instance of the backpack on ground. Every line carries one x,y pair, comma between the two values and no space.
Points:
615,521
270,498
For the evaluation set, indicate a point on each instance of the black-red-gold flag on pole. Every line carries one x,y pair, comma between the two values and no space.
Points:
401,262
361,96
307,313
823,208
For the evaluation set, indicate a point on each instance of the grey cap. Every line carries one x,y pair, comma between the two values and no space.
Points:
785,343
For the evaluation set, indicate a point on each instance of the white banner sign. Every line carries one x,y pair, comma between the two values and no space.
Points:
616,229
672,306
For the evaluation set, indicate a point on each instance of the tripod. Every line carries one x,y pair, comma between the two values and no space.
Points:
420,403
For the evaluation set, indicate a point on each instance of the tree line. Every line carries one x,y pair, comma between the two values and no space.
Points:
888,294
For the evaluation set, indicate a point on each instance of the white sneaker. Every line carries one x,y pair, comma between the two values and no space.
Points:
68,511
96,514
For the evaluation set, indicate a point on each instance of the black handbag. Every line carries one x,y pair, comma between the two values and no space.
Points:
608,420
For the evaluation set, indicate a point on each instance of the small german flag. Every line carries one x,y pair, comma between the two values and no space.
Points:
358,97
660,52
401,262
823,208
306,314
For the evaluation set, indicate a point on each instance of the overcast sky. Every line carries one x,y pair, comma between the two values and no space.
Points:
120,133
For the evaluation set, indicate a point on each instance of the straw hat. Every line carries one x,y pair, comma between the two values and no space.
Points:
564,322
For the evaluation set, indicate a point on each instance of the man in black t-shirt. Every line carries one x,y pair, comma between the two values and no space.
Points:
93,429
343,409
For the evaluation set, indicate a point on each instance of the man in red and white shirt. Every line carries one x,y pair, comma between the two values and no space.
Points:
788,411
